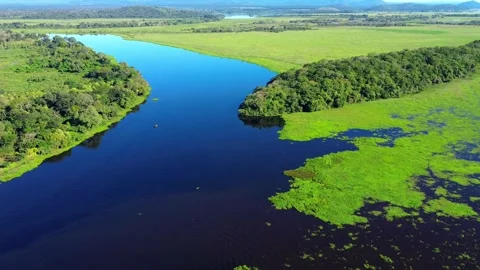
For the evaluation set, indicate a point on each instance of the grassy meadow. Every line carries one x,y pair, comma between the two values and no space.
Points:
285,50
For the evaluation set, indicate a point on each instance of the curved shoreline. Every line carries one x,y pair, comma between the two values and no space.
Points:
17,169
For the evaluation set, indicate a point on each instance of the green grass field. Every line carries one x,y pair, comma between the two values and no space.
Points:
31,82
292,49
282,51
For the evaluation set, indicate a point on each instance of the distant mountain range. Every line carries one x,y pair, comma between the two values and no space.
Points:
344,5
275,3
412,7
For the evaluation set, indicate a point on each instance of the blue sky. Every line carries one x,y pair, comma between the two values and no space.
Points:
391,1
426,1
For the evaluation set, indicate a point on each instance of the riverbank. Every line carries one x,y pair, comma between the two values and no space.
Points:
56,93
17,169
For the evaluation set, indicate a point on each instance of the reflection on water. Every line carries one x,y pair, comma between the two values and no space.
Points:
263,122
95,141
90,143
60,157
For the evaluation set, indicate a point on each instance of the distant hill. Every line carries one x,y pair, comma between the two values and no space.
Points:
412,7
469,5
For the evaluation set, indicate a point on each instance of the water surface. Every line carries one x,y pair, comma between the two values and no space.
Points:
238,17
190,194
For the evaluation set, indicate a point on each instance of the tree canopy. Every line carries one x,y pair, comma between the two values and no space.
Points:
332,84
92,91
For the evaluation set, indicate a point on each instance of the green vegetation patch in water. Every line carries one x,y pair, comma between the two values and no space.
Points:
443,206
244,267
394,212
335,187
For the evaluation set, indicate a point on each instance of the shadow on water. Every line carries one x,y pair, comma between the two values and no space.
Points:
262,122
60,157
93,142
90,143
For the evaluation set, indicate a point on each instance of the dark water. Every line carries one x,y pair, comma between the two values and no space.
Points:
192,193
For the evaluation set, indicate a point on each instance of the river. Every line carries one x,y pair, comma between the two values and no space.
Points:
193,192
189,194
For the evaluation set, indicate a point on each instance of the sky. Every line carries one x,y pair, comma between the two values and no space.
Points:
425,1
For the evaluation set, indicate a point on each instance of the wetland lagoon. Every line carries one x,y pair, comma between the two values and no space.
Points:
199,191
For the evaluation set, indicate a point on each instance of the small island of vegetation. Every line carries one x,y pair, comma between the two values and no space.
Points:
55,93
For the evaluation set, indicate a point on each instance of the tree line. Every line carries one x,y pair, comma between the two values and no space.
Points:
93,25
275,28
472,22
333,84
10,36
270,25
97,91
110,13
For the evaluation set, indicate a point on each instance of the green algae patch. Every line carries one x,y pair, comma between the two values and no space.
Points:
245,267
441,191
435,124
394,212
443,206
386,259
475,199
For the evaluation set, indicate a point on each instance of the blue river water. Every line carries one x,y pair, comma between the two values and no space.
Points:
190,194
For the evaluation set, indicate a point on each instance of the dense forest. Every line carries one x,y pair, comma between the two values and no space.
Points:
332,84
91,91
123,12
